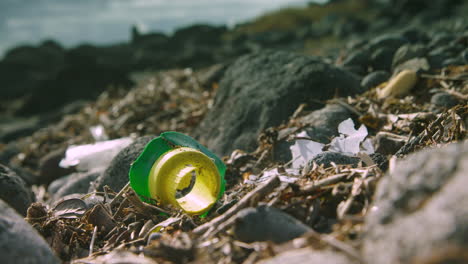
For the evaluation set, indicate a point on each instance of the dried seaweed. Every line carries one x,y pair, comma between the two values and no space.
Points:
332,200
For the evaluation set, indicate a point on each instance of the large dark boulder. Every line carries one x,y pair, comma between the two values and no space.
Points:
420,210
85,75
262,90
19,242
196,46
24,67
13,190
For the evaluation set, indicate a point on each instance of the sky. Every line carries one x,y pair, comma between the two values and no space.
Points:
73,22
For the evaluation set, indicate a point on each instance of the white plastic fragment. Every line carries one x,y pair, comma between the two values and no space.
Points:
287,176
304,150
350,139
367,146
91,156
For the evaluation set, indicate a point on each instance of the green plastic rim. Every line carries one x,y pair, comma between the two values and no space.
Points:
173,145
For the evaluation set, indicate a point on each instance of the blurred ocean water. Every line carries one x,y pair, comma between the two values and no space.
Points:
72,22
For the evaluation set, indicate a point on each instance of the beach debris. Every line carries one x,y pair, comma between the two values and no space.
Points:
91,156
70,208
351,141
399,85
304,150
176,170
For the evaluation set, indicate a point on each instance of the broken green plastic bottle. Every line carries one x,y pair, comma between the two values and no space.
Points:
175,169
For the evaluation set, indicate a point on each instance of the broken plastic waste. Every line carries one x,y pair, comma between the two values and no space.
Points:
350,142
174,169
92,156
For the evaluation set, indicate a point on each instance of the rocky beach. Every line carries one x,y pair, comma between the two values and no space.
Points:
342,127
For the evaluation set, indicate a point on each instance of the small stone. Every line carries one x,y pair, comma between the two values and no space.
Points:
440,39
415,35
322,124
436,60
266,223
73,183
374,79
13,190
407,52
19,242
418,65
327,157
458,61
49,169
444,100
116,174
465,55
358,58
388,143
382,58
390,41
154,236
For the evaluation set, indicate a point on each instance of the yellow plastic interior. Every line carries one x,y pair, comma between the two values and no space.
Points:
186,178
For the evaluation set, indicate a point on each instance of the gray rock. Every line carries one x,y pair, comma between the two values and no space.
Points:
8,151
12,129
378,54
417,64
440,39
308,255
74,183
49,168
262,90
458,61
448,49
380,160
355,43
320,125
327,157
19,242
358,70
359,57
390,41
116,174
266,223
444,100
13,190
375,78
464,55
381,59
436,60
415,35
407,52
420,208
388,143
